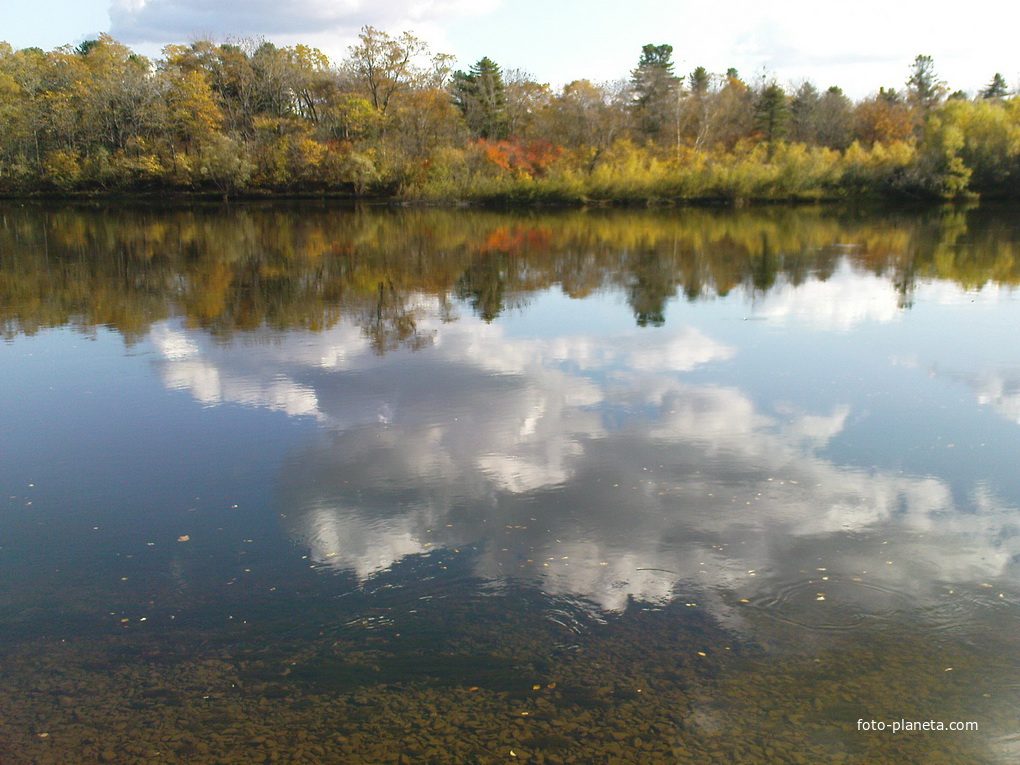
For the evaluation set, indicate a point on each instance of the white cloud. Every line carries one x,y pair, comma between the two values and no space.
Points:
307,21
1001,391
703,492
841,302
187,366
683,351
353,542
173,344
817,429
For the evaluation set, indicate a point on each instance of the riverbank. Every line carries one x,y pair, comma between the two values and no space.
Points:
628,175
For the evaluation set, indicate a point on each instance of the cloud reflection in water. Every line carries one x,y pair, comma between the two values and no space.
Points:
589,464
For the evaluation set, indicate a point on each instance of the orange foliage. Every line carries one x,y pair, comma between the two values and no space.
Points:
532,158
878,121
514,239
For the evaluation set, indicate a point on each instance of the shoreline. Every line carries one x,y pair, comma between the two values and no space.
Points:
509,202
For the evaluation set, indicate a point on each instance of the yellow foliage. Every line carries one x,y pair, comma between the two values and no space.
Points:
62,168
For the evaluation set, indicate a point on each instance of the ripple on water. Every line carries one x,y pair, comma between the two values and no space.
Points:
979,615
573,614
833,604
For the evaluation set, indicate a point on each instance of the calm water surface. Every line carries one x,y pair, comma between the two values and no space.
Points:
312,484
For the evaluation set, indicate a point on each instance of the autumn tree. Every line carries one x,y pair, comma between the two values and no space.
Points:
525,100
821,119
383,66
834,119
193,116
716,112
697,110
312,82
425,120
733,112
350,117
21,97
114,96
989,145
882,119
939,168
586,118
235,82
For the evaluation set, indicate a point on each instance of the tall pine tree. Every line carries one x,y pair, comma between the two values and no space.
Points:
996,88
481,97
655,89
771,113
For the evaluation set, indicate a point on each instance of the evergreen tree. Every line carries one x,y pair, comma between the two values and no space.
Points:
924,87
772,112
890,96
803,107
480,94
699,80
86,46
655,89
996,88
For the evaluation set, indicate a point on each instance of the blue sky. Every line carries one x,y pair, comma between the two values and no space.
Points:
864,45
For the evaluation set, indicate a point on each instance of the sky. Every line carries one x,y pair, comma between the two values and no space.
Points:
859,47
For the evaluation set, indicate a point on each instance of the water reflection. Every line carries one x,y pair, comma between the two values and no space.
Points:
690,486
249,267
845,300
625,463
1001,391
594,468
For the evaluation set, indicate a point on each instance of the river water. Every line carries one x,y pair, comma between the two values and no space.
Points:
308,483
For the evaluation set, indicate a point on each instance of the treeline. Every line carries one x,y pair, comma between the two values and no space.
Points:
249,266
395,120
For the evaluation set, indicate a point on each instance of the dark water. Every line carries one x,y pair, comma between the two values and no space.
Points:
309,484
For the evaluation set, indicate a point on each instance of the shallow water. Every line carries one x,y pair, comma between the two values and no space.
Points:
302,483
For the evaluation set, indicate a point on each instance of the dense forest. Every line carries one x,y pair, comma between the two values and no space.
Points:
395,120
